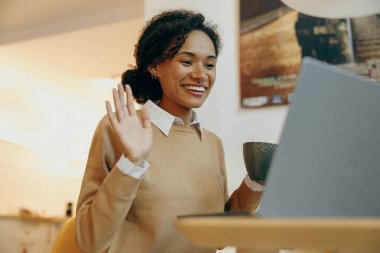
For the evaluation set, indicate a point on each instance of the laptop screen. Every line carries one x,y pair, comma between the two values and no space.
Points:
327,162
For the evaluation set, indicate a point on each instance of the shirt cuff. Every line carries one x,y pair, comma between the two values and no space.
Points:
254,186
130,169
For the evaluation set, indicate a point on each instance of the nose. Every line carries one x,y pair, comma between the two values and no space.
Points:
199,73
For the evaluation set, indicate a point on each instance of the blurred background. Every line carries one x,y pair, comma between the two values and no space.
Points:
59,61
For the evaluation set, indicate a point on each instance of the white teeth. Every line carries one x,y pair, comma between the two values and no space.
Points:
195,88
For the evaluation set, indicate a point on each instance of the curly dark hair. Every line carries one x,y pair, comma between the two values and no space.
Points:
161,38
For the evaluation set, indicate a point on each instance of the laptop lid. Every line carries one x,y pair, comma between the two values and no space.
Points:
327,162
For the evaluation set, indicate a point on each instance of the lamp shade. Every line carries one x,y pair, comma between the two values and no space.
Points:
335,8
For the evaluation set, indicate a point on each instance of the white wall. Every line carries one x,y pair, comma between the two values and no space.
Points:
222,112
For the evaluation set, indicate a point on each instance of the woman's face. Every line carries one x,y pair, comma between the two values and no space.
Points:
188,77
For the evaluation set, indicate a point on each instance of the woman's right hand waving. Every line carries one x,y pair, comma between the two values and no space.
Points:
135,135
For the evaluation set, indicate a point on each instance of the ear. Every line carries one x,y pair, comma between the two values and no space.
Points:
153,71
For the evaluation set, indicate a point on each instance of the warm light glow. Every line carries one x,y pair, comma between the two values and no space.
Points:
49,104
104,86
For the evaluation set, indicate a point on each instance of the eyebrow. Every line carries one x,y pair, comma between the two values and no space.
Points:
192,54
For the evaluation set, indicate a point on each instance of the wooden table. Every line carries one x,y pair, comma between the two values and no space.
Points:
273,234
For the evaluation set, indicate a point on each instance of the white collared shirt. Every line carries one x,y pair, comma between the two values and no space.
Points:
164,120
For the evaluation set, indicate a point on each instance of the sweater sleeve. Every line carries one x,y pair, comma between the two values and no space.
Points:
243,198
106,193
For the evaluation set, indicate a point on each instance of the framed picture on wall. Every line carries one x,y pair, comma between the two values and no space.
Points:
274,38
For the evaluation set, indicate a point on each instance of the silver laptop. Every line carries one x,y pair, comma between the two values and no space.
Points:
327,162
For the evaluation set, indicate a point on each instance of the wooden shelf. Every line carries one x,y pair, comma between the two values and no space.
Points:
34,218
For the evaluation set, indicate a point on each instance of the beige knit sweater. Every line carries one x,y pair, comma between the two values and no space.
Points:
118,213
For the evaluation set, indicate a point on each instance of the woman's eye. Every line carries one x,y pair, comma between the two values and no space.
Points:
186,63
210,66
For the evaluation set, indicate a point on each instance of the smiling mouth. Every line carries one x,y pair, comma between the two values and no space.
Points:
195,88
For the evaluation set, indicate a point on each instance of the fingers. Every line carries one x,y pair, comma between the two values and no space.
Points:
145,117
124,106
118,105
120,90
130,105
110,114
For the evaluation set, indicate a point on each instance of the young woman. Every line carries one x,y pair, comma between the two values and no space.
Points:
147,167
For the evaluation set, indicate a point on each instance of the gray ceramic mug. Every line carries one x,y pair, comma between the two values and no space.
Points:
257,159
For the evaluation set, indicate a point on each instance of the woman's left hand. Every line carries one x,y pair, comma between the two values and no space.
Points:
135,135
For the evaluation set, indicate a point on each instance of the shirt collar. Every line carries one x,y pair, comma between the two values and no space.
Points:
164,120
